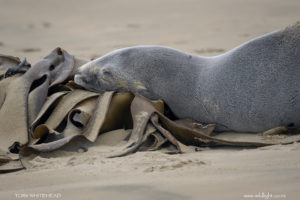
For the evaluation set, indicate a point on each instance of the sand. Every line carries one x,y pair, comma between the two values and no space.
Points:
88,29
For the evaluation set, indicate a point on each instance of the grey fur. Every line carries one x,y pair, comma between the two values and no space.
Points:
252,88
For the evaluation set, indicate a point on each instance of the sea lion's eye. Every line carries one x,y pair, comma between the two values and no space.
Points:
105,72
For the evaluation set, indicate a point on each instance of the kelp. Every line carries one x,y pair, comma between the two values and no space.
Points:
10,163
49,105
7,63
43,110
11,166
14,113
36,100
190,132
66,103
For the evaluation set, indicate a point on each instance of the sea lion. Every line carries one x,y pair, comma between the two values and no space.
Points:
251,88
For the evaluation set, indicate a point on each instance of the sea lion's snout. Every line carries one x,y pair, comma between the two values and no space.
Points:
80,80
89,83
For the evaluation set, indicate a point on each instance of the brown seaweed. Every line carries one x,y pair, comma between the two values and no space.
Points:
11,166
44,113
83,119
164,132
36,100
7,62
42,110
92,130
14,121
66,104
141,113
21,68
61,67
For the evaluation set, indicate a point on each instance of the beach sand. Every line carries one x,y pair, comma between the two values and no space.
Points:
89,29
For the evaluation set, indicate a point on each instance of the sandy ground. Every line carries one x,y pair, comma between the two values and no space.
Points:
89,29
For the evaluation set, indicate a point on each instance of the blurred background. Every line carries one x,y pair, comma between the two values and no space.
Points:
89,29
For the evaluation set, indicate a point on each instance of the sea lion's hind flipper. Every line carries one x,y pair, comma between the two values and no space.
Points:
281,130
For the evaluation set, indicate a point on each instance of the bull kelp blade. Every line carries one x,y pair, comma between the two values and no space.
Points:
67,103
7,62
94,126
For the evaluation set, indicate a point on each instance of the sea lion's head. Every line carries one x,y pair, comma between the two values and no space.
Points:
97,76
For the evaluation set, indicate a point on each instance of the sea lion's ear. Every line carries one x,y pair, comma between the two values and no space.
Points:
105,71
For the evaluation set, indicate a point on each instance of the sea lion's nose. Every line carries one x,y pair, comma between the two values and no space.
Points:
79,79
